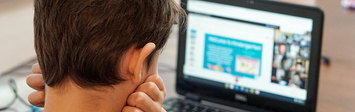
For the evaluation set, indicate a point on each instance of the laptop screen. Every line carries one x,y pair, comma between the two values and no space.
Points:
247,50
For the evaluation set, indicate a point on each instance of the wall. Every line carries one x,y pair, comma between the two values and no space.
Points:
16,33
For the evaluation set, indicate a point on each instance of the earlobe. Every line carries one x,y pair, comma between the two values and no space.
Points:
142,54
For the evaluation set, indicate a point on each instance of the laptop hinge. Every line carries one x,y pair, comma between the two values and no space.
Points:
192,97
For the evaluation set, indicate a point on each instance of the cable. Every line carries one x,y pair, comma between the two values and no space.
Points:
13,86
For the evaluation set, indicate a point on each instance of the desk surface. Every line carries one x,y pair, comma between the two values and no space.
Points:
337,81
336,88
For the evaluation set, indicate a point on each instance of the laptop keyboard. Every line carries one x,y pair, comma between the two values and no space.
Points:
178,105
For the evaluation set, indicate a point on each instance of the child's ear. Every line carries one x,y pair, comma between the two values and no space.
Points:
137,60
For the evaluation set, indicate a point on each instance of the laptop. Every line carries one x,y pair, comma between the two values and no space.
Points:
253,55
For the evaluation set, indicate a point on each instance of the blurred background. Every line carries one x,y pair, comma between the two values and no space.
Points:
16,33
336,88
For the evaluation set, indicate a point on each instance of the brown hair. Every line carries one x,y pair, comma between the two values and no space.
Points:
83,39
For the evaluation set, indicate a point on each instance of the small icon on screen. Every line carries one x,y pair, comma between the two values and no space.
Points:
252,91
236,88
231,86
242,88
257,92
193,34
226,85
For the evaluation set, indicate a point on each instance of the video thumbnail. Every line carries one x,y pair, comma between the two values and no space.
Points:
233,56
291,59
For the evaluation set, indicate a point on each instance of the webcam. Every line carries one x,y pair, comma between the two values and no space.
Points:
250,1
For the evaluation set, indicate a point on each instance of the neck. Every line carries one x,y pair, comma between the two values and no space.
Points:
72,98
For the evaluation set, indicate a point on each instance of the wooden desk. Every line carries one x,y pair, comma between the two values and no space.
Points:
337,81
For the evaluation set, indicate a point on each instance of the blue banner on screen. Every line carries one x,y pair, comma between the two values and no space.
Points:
237,57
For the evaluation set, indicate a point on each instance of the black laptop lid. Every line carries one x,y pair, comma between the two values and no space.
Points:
259,53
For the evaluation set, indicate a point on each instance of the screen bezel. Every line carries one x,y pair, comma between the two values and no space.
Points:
210,93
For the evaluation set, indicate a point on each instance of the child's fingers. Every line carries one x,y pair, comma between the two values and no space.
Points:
158,81
35,81
131,109
143,102
36,69
152,91
37,98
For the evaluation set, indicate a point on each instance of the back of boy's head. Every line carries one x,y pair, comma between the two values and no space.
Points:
84,40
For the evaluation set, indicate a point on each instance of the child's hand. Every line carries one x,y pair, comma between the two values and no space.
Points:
148,97
35,81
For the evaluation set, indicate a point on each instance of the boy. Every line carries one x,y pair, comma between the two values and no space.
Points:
35,81
99,55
